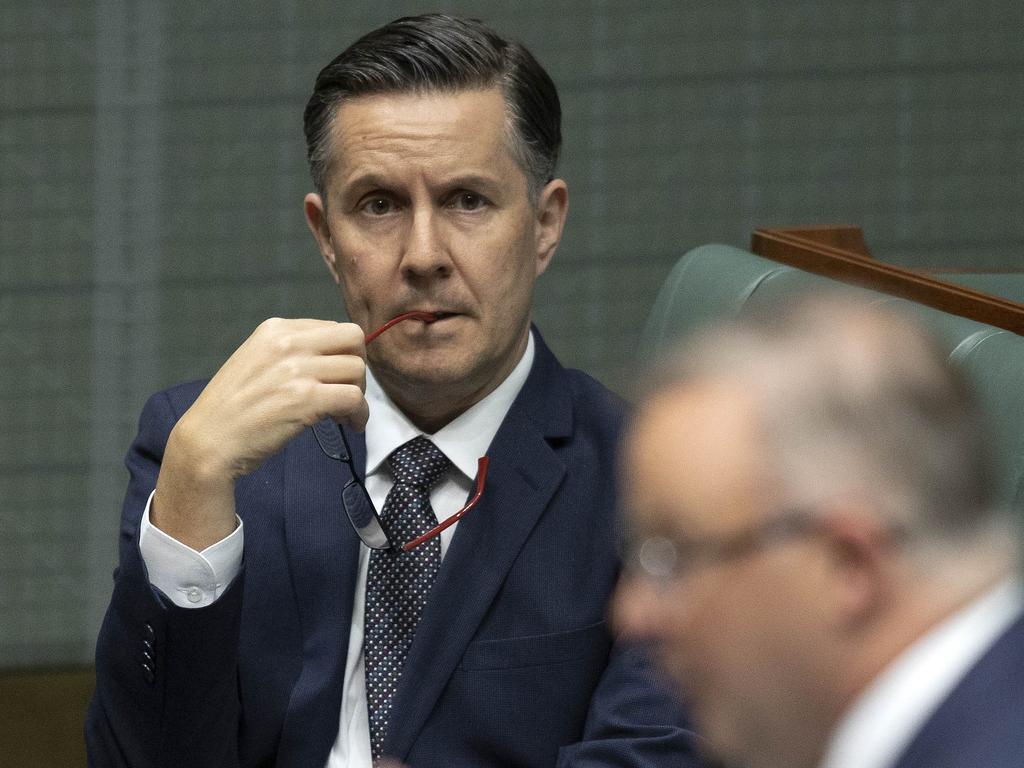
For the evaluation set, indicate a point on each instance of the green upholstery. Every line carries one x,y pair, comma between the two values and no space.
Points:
709,283
718,282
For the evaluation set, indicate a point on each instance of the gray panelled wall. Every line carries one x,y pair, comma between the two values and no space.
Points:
152,168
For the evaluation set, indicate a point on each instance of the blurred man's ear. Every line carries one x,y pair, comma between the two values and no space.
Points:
859,547
316,218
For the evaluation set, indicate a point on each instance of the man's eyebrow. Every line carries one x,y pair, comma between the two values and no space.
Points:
471,181
364,181
371,180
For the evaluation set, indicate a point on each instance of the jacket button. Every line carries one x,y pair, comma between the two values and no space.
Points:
147,672
149,633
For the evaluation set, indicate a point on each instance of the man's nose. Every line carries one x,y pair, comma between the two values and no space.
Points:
425,250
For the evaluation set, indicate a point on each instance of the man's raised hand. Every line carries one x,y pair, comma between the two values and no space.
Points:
287,375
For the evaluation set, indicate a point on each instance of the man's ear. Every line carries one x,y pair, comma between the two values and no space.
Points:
861,551
552,209
316,218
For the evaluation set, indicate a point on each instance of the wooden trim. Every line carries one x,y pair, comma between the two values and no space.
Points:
962,270
809,249
842,236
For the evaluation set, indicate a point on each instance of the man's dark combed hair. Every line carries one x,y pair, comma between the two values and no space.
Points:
441,53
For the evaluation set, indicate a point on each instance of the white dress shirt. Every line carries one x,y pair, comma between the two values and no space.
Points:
883,720
193,579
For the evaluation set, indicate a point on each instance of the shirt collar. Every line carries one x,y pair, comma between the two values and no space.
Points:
463,440
879,726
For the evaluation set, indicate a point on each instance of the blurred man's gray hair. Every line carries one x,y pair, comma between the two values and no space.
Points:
857,399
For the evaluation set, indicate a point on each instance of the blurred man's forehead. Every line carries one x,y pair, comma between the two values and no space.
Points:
695,453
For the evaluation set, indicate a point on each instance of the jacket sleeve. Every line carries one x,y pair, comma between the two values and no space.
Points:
166,677
633,720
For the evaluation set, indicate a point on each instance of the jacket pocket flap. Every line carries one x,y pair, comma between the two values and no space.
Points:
537,650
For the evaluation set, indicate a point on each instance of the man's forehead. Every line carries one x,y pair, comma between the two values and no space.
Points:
696,451
454,132
713,413
468,115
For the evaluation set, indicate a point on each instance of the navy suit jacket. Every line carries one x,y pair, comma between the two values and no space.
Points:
981,723
512,663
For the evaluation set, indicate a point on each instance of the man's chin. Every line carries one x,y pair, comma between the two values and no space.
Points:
726,736
415,373
411,381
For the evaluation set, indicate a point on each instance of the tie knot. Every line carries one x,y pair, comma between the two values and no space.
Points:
419,462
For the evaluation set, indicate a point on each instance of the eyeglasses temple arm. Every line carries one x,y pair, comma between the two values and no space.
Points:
481,478
427,317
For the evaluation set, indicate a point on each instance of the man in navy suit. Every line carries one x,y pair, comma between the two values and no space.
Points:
432,143
826,575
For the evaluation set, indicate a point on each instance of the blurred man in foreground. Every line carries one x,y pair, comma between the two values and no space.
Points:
815,554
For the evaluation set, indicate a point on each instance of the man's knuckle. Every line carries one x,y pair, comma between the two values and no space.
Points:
352,335
299,390
282,344
358,368
270,326
291,369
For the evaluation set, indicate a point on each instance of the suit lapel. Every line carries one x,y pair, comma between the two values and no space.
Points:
323,553
525,473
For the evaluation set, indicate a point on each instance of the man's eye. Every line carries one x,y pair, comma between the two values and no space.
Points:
468,201
378,206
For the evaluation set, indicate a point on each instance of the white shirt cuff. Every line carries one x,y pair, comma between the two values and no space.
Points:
189,578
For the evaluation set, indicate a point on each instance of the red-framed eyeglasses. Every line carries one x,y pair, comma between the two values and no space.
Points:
358,506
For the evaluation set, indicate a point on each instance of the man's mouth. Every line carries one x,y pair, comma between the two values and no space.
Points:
423,316
430,316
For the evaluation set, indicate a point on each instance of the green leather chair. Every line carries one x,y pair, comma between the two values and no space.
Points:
714,283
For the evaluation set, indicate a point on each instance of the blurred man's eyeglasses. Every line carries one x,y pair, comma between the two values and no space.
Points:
358,506
665,560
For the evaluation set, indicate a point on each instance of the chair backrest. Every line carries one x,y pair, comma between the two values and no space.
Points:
714,283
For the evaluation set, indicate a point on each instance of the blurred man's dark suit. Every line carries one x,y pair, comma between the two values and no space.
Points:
979,724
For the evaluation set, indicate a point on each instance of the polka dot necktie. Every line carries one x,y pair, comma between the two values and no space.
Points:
398,582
